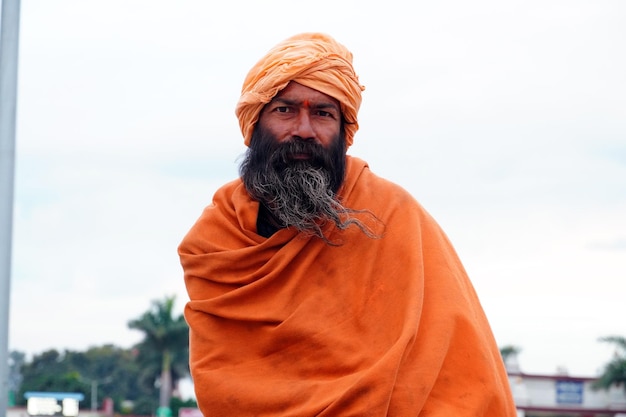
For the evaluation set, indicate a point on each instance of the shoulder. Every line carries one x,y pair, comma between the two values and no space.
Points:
363,187
229,218
389,202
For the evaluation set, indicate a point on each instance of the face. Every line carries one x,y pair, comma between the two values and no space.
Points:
297,160
296,174
299,113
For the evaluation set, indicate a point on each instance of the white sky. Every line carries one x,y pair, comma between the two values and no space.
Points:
506,120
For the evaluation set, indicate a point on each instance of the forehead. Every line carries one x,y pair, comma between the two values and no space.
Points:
301,94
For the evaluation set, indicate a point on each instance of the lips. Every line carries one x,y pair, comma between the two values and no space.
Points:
300,156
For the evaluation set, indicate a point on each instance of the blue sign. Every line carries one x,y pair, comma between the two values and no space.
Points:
569,392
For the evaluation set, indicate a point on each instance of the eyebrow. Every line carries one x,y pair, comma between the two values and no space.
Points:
306,103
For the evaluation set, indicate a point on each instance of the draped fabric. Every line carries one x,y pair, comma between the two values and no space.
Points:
293,326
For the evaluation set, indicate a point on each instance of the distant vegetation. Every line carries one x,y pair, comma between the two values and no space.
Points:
615,371
509,351
146,376
139,379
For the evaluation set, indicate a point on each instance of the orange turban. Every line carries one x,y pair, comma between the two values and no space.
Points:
314,60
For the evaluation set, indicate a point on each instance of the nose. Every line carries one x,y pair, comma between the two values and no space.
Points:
303,127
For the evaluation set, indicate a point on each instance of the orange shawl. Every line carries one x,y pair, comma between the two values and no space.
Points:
290,326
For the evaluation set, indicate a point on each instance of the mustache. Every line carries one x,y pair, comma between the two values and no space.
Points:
266,153
300,152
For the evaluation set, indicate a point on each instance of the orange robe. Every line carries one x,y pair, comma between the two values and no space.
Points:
292,326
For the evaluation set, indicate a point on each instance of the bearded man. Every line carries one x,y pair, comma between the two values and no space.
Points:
318,288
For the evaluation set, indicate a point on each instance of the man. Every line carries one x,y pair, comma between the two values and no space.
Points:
318,288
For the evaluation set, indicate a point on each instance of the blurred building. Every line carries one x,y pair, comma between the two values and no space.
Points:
562,395
557,395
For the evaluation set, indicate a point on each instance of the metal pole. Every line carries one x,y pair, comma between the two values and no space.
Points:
9,35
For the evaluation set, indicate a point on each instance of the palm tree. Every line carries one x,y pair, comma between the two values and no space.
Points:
615,371
164,351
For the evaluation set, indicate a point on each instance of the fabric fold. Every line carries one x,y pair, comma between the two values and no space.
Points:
292,326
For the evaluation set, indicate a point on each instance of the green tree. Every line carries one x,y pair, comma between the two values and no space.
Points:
164,350
113,372
615,371
48,372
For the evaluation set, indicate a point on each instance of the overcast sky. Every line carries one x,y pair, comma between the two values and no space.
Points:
505,119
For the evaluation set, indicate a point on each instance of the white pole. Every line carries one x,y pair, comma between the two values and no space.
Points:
9,35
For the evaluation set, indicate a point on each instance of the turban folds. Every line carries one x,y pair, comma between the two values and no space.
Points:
314,60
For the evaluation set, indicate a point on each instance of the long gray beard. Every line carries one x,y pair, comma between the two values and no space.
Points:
300,196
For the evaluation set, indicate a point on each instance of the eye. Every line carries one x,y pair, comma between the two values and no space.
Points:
282,109
324,113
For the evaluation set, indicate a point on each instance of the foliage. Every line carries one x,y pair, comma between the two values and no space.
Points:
508,351
176,404
131,377
164,350
48,371
113,371
615,371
